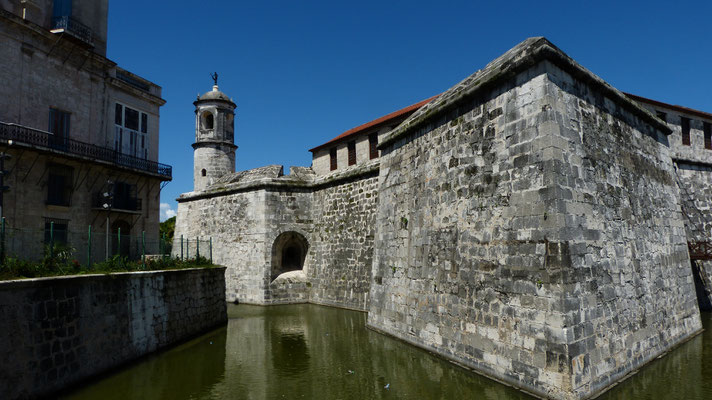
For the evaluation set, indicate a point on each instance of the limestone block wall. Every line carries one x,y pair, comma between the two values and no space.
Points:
344,222
55,332
533,231
467,255
236,224
628,286
216,159
695,183
245,213
287,209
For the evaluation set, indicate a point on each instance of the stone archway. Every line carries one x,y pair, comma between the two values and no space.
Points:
289,251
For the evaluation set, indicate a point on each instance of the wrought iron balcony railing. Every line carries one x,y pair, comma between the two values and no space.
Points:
36,137
75,28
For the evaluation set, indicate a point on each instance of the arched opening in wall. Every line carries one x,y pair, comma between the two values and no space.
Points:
289,251
208,120
203,172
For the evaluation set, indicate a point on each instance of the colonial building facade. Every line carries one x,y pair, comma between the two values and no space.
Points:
81,131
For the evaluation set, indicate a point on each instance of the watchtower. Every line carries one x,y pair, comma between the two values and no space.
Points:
214,147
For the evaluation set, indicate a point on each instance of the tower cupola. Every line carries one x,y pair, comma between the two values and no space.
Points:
214,147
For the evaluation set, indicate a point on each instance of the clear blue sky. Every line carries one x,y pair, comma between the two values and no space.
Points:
302,72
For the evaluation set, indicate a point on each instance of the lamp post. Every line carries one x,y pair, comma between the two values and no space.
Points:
3,188
108,196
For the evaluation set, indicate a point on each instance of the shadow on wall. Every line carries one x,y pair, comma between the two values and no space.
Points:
289,251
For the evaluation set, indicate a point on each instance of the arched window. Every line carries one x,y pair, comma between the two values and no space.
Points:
288,253
203,172
208,120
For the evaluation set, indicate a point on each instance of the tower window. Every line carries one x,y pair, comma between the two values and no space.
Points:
332,158
208,120
352,152
685,131
203,172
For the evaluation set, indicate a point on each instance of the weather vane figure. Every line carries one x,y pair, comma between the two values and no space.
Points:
215,77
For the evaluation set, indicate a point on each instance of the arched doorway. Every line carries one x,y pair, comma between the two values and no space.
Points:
289,251
125,238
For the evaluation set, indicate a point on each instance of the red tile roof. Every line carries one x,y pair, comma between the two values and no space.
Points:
405,112
681,109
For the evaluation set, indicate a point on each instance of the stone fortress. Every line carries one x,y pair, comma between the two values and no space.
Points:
531,222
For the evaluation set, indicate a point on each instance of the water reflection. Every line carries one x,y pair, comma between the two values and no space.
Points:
312,352
188,371
684,373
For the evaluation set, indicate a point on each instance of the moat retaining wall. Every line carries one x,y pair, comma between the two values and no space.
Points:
56,332
532,230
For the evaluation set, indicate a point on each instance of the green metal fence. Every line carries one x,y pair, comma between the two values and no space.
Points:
187,248
89,246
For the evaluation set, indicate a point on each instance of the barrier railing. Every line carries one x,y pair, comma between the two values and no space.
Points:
36,137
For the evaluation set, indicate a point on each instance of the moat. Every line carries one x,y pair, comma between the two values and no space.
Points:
314,352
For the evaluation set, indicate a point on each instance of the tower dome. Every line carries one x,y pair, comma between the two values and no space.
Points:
214,147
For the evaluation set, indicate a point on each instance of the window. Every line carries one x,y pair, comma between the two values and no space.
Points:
131,125
59,124
708,135
332,157
208,120
662,116
125,196
131,121
203,172
59,185
352,152
62,8
55,231
685,131
119,115
144,123
373,145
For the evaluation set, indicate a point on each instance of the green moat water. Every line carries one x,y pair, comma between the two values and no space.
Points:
313,352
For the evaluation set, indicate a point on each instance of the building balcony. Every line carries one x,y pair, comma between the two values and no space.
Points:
44,141
69,25
117,204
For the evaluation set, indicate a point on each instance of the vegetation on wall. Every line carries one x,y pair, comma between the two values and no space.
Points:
59,262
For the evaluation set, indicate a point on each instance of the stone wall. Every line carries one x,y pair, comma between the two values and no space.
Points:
235,222
244,213
629,294
695,183
344,226
531,228
55,332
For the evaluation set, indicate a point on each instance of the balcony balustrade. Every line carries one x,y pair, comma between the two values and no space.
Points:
73,27
35,137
